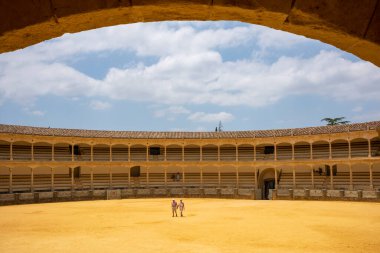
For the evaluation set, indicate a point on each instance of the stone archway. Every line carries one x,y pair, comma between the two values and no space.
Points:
351,25
266,181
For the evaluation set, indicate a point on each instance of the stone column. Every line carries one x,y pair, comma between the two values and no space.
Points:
32,151
11,152
330,153
183,177
369,148
351,183
254,153
92,178
129,153
237,176
72,152
237,153
294,177
166,177
147,176
52,179
219,178
111,183
10,180
147,153
349,149
218,153
275,152
201,171
72,178
370,175
311,151
293,151
201,154
31,180
183,153
110,153
92,153
256,186
165,154
275,178
52,152
331,177
312,177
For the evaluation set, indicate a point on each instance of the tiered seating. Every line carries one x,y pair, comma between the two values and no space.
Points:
5,151
85,182
228,179
21,183
359,148
321,151
361,180
302,151
85,153
376,179
303,179
120,180
62,153
192,179
260,155
210,179
192,153
101,153
4,183
22,152
174,153
286,180
156,179
339,149
375,147
138,153
227,153
209,153
284,152
62,182
101,180
246,179
246,153
120,153
42,182
42,153
342,180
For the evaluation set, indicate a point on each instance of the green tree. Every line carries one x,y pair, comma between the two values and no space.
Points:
336,121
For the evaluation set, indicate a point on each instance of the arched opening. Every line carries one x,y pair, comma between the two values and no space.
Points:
302,150
42,151
375,146
174,153
120,152
359,147
82,152
101,152
267,182
265,151
246,152
339,149
22,150
284,151
156,152
62,152
227,152
5,150
192,153
138,152
321,150
210,152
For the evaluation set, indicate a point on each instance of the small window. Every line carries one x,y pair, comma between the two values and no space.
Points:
154,151
135,171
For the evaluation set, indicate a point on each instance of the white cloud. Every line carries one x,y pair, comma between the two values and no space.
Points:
99,105
189,70
211,117
171,112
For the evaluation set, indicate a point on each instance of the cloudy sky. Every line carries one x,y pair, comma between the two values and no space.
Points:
185,76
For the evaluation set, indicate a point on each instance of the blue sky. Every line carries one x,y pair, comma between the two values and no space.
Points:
185,76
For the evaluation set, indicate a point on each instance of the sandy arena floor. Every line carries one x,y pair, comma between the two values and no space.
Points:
210,225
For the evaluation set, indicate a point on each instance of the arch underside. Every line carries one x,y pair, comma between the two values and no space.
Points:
353,26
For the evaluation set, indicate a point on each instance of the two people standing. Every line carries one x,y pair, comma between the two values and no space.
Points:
176,205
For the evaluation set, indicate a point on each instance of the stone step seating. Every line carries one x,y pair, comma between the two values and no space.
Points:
246,153
42,153
192,154
246,179
138,153
101,153
210,153
119,153
5,151
228,153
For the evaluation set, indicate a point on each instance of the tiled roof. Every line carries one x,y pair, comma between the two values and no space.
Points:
13,129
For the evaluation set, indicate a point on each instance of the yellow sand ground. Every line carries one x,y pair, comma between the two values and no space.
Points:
210,225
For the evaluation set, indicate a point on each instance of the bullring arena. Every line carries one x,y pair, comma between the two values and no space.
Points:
129,178
218,174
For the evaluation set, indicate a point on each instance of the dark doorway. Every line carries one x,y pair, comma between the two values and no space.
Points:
135,171
268,184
